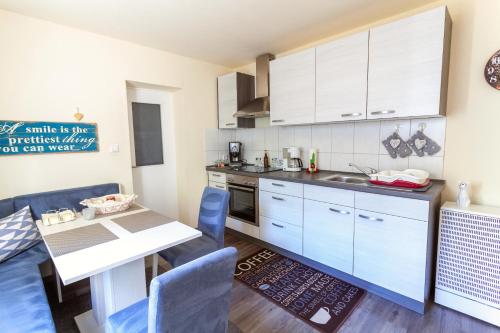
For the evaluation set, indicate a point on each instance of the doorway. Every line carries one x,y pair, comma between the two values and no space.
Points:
153,152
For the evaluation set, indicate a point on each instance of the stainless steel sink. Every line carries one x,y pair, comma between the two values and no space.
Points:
358,180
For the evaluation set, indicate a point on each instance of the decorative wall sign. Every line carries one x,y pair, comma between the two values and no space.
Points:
23,137
492,71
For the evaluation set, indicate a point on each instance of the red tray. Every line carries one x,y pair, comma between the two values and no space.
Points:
401,183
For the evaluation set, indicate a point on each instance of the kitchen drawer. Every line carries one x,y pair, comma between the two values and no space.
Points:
243,227
221,186
219,177
281,234
278,186
329,234
390,251
410,208
328,194
281,207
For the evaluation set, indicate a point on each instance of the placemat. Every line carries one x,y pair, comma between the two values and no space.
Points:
78,239
142,221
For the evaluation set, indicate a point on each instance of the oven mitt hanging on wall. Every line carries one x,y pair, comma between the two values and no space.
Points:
422,144
395,145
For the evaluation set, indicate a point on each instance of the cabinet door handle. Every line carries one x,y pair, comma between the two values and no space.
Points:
277,198
230,124
376,219
277,225
355,114
278,120
276,184
215,175
345,212
383,112
222,187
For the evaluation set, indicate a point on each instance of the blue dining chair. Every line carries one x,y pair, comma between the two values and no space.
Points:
211,222
193,298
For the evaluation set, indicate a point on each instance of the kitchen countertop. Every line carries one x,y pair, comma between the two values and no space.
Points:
315,179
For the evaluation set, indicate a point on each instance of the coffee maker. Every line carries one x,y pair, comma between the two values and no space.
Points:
235,154
291,159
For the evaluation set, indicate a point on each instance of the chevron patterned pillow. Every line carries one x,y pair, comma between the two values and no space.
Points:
18,232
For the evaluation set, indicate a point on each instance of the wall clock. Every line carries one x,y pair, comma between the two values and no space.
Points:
492,71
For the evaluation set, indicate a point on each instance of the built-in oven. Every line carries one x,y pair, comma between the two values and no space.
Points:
244,199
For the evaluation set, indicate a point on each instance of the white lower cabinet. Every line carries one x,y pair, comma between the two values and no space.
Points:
281,207
243,227
281,234
221,186
328,234
390,251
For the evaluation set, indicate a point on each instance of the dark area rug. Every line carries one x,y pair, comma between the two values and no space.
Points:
317,298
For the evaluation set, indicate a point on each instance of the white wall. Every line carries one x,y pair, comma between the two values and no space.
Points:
156,185
46,70
338,144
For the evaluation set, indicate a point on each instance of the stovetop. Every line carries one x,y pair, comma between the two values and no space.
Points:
253,169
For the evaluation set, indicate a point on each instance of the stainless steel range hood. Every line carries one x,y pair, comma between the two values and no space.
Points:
259,107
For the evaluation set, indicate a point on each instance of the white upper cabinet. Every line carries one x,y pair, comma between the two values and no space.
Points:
226,87
408,66
341,79
234,90
292,89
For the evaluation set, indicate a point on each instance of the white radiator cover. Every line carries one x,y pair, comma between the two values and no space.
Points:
468,261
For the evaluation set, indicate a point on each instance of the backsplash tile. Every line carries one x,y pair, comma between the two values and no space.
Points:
285,137
431,164
338,144
367,137
340,162
343,138
386,162
321,138
271,138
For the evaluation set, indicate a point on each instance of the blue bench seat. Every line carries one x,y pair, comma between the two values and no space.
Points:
23,303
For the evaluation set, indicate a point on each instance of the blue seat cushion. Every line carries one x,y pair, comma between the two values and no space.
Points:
188,251
132,319
34,256
23,303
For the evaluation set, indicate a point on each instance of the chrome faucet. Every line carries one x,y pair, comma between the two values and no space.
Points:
364,169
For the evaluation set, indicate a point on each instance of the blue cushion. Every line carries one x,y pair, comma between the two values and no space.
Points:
185,252
70,198
23,303
194,298
213,212
18,233
31,257
6,207
133,319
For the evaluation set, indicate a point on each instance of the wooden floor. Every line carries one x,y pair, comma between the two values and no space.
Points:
255,314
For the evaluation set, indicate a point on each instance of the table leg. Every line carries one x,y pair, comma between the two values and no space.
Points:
113,291
155,265
58,284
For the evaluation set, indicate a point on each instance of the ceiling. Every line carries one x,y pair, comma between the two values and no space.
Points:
226,32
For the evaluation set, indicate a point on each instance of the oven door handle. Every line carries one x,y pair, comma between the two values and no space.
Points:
241,188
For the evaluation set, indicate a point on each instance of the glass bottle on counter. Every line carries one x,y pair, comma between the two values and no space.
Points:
266,160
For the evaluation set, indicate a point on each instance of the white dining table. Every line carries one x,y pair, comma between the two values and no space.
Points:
116,266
